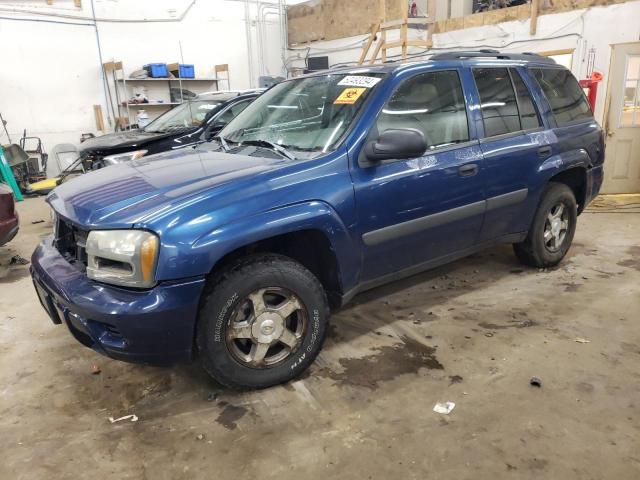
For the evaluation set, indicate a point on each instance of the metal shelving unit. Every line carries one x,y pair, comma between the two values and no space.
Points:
119,90
170,82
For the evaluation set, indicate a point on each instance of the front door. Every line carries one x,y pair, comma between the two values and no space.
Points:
413,211
622,161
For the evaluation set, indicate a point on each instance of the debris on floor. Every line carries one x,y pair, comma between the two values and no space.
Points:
535,382
95,369
18,260
37,221
444,408
581,340
134,418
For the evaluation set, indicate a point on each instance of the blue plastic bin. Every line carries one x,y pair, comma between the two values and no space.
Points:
157,70
183,71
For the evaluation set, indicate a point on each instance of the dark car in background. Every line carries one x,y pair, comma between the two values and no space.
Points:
194,121
189,123
9,222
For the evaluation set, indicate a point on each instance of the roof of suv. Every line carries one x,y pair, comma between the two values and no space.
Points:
480,56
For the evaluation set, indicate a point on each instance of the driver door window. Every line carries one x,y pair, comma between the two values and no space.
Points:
432,103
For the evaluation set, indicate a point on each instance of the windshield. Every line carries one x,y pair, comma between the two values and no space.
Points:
186,115
309,114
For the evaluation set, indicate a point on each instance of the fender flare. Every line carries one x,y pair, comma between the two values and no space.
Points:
308,215
564,161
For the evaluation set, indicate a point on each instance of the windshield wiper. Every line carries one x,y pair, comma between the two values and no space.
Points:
273,146
223,142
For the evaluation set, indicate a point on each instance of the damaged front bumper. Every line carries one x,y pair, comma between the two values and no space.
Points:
153,326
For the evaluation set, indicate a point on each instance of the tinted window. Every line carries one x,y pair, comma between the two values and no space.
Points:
431,102
528,116
564,94
497,101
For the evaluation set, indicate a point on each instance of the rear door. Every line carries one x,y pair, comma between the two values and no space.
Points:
513,145
417,210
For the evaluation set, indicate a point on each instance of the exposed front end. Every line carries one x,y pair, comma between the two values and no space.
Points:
154,324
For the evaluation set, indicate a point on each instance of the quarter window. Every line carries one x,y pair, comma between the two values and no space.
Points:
497,101
432,103
564,94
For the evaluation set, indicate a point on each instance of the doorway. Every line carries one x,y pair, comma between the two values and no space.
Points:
622,162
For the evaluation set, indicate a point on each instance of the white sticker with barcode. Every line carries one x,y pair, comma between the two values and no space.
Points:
358,81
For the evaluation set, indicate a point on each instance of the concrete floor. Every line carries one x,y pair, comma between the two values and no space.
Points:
473,332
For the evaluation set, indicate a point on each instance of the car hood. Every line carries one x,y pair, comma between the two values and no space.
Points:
119,140
134,192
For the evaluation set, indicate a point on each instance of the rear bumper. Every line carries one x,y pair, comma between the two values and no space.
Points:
148,326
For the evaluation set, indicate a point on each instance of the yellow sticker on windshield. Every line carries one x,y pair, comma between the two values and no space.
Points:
349,96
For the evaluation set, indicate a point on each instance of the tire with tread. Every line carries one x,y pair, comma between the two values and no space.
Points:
223,294
533,251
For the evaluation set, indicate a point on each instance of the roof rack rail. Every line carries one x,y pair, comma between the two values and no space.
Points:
487,53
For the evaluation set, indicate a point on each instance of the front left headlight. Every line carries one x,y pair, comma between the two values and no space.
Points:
123,257
123,157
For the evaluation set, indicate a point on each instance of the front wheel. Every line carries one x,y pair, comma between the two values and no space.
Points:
553,227
262,322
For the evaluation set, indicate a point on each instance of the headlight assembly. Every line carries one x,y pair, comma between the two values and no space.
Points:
122,257
123,157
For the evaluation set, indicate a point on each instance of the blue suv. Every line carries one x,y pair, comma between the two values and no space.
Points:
326,185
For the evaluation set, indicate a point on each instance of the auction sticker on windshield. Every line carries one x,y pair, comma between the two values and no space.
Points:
358,81
349,96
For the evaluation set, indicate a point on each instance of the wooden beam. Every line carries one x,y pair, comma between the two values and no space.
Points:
97,112
383,40
372,37
533,25
77,3
391,24
376,51
419,43
431,14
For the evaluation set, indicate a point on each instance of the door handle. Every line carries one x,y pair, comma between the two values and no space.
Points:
544,152
468,170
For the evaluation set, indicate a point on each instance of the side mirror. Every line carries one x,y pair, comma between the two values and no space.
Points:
396,144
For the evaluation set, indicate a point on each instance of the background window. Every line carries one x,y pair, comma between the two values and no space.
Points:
526,108
630,115
431,102
497,101
564,94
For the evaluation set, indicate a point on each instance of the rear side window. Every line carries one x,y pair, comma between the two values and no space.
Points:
564,94
497,101
431,102
528,115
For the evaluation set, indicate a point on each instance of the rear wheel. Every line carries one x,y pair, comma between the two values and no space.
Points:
262,322
553,227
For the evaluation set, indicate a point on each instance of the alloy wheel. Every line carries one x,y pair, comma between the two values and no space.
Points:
266,328
556,226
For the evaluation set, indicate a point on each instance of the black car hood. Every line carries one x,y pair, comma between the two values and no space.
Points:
123,140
